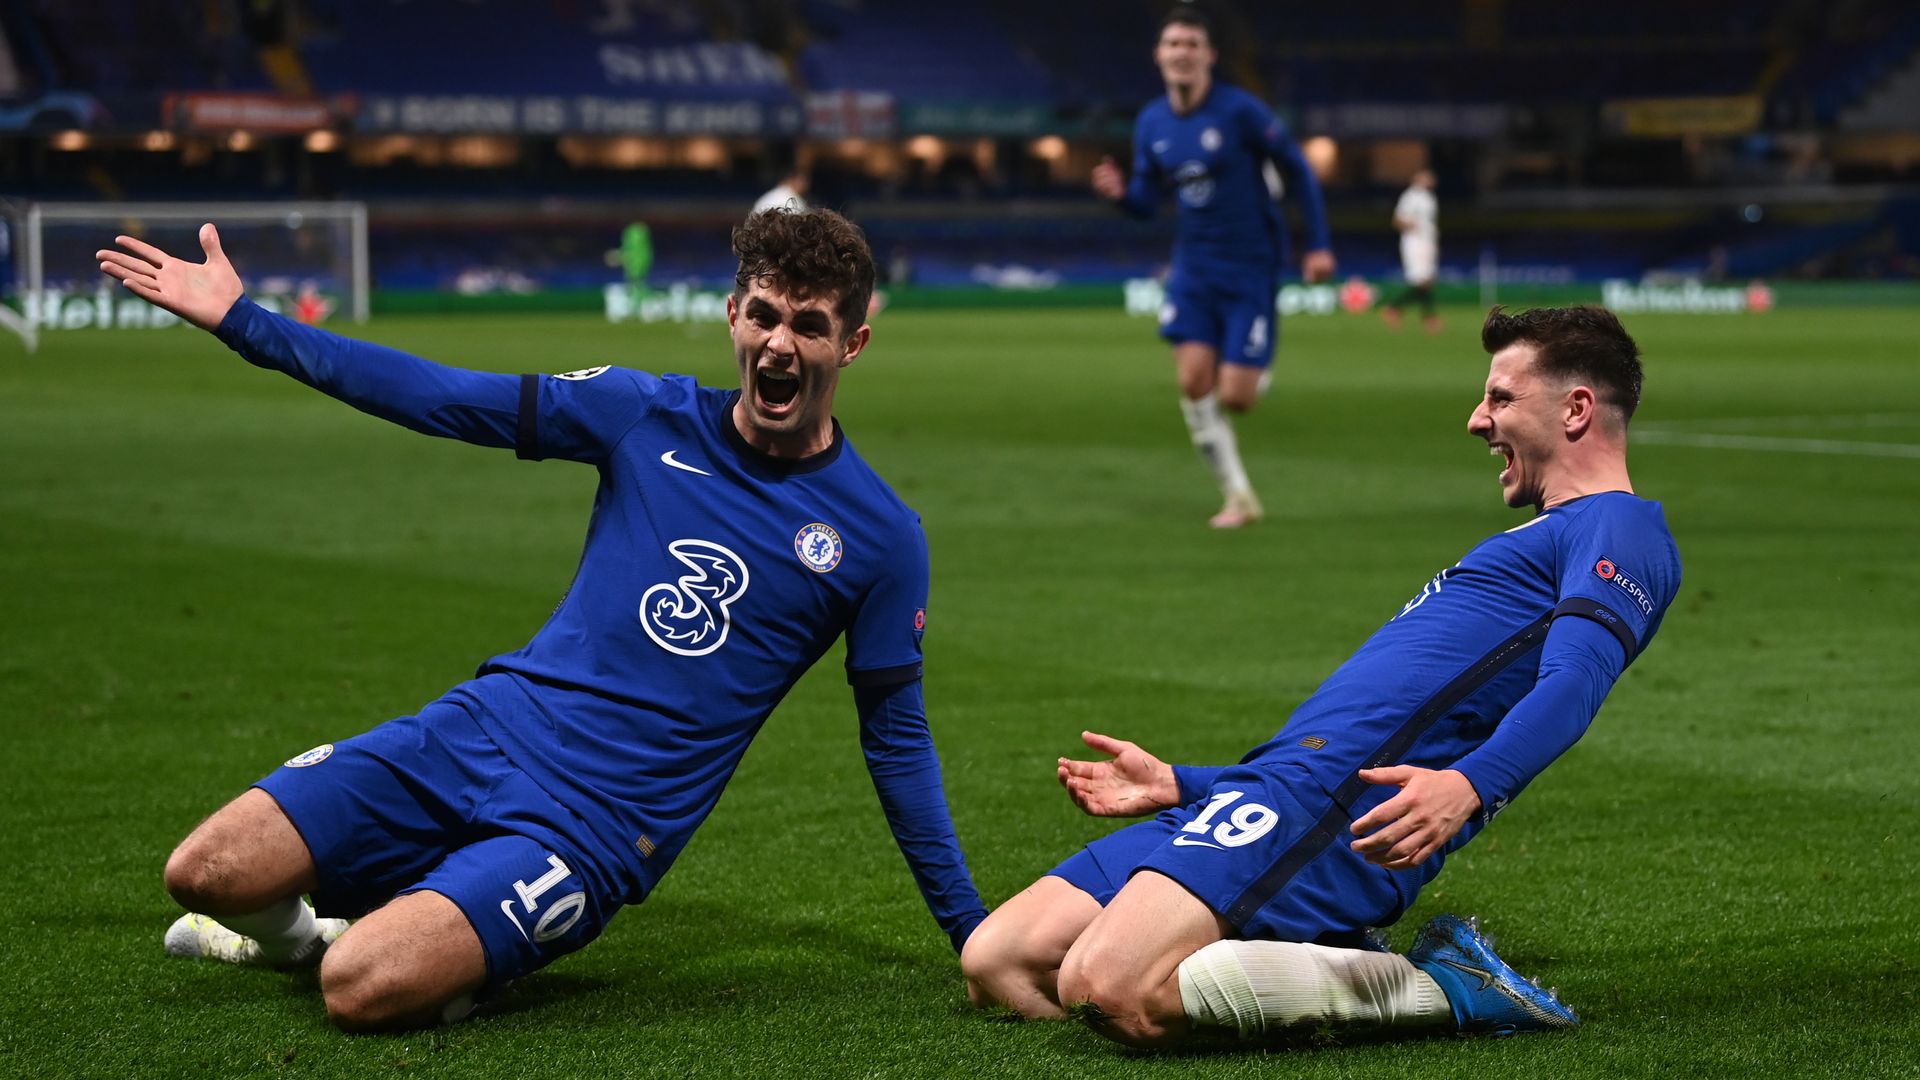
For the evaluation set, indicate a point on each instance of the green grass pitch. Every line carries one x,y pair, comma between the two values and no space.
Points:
208,568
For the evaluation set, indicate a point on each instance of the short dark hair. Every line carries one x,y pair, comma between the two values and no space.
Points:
1185,14
1584,343
807,253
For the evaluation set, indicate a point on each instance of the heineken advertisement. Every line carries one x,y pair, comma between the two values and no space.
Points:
677,303
111,309
1145,296
1689,297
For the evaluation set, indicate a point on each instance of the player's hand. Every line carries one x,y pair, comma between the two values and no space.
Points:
1317,266
200,293
1108,181
1406,830
1132,782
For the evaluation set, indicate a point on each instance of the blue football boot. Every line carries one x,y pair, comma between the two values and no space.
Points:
1487,996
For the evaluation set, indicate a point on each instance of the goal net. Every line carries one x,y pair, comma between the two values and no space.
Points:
303,258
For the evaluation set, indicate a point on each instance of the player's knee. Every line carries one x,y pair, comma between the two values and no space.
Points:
1239,399
200,877
1111,1003
1101,995
1195,382
362,994
992,960
983,956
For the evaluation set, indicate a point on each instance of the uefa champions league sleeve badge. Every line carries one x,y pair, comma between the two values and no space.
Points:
312,757
819,547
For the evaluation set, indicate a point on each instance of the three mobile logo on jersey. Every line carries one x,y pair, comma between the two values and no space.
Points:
690,616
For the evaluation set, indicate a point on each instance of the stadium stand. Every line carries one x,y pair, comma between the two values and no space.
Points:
491,186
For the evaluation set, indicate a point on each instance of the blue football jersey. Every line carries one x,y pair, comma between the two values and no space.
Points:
1211,160
713,576
1433,686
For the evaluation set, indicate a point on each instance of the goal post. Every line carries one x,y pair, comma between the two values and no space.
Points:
309,255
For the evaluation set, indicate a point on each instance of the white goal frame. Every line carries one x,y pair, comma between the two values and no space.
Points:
32,254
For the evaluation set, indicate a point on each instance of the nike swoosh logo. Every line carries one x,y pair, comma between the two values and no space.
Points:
1182,841
1485,976
668,459
506,908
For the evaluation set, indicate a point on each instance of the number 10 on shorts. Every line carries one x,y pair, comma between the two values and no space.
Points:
561,916
1247,823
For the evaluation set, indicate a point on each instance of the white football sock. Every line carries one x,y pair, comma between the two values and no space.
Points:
1213,436
286,932
1259,986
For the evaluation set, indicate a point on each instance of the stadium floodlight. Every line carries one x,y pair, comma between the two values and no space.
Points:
307,258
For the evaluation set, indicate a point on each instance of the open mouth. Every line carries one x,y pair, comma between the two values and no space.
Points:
1505,453
777,390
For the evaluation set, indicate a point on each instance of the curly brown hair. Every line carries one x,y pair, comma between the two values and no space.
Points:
807,253
1583,342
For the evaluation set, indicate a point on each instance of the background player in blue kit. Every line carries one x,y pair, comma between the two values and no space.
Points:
1245,904
735,536
1209,145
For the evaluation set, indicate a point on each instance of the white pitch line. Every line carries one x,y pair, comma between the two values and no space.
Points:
1789,446
1836,421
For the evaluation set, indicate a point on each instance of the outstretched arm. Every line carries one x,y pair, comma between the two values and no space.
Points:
478,407
200,293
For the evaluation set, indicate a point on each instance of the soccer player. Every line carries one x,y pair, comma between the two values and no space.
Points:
735,535
1246,903
1417,216
1209,145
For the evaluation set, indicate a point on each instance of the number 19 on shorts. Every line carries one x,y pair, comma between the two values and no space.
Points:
1248,821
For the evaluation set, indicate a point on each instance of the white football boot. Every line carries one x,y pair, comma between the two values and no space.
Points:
201,936
1242,509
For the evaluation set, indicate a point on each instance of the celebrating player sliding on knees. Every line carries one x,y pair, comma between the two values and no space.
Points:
1248,903
502,826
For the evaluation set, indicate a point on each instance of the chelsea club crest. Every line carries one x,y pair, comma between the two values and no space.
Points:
819,547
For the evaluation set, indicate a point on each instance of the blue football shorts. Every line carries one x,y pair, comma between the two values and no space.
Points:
430,802
1274,864
1238,318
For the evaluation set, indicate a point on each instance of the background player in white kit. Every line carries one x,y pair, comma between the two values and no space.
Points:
789,194
1417,216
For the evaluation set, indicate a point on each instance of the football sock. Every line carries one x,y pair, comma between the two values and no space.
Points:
286,932
1213,436
1258,986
